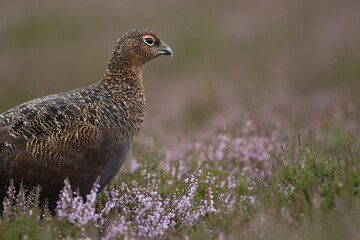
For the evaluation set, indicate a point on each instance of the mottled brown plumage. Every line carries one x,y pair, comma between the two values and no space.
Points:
83,133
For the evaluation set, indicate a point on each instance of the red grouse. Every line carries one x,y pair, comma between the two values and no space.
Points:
83,133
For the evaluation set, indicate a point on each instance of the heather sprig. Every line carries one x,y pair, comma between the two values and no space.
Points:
72,207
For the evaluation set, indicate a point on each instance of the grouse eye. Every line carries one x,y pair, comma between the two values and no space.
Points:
149,40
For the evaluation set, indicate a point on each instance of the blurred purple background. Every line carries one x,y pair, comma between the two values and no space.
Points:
288,65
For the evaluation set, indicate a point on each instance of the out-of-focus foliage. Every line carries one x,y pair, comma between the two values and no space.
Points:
286,63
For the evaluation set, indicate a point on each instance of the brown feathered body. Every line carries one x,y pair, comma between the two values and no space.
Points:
80,134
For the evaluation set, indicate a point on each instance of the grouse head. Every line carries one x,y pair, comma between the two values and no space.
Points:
136,47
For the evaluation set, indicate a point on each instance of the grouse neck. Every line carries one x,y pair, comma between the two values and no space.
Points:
123,68
125,75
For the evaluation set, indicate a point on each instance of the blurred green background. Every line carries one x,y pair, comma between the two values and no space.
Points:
290,65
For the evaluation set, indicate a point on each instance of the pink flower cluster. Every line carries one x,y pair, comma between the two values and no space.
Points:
140,210
72,207
250,149
152,214
17,205
249,152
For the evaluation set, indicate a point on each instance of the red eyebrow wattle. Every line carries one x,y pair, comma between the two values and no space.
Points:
148,35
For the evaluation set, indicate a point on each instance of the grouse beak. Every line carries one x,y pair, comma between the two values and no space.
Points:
164,50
